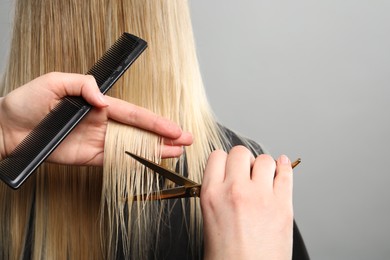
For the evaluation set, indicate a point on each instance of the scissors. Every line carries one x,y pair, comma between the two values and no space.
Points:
186,187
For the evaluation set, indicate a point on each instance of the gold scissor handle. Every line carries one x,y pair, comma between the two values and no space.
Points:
296,162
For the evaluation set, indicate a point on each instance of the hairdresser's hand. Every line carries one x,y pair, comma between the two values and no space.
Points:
247,206
24,107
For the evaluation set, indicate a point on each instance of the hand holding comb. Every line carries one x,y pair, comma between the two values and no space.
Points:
49,133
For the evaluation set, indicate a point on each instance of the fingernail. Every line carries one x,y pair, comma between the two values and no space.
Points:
283,159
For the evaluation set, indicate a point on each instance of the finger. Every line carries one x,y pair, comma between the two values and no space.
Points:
263,172
283,183
136,116
215,169
238,164
185,139
71,84
168,151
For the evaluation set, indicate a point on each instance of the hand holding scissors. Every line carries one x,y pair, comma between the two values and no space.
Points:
246,203
247,206
185,188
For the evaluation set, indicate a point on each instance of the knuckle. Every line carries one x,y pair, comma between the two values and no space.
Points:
240,149
284,180
51,76
266,159
208,198
91,80
237,195
217,154
133,114
241,153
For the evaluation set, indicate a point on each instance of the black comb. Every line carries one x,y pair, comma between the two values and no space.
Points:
48,134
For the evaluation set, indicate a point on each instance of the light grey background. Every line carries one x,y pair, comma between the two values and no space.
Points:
309,79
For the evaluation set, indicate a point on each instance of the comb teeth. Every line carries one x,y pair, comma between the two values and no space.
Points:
111,63
48,134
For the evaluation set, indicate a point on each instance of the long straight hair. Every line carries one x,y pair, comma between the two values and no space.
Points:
87,212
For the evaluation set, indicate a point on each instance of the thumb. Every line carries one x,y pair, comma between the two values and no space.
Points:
72,84
91,92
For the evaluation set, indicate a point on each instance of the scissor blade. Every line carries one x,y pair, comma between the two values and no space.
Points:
171,175
173,193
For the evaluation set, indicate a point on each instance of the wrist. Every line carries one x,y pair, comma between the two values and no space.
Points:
276,245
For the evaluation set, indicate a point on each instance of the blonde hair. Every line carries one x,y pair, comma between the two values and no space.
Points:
83,212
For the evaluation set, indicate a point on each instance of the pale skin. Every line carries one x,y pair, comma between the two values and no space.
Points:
247,206
23,108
